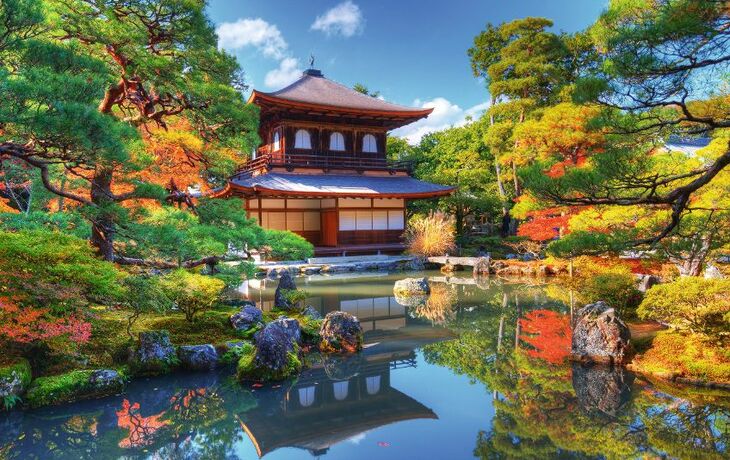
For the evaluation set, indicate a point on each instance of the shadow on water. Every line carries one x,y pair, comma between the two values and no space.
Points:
509,339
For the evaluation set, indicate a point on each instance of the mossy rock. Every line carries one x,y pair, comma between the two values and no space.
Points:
74,386
249,369
154,355
14,380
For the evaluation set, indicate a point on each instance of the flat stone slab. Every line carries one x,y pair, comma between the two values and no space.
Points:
327,265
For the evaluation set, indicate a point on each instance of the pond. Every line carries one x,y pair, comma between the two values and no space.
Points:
476,372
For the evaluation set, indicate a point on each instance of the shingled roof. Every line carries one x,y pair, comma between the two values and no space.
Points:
314,89
340,185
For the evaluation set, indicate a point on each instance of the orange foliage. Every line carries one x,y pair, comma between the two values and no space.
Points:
548,333
545,224
141,429
22,324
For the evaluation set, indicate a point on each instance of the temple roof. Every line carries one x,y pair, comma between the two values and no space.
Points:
314,89
339,185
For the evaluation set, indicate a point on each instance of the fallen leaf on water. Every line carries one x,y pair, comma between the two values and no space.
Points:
383,444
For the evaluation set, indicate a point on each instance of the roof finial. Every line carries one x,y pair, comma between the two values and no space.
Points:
311,60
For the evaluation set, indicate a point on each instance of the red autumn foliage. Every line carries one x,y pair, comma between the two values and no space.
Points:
142,429
545,224
548,333
23,324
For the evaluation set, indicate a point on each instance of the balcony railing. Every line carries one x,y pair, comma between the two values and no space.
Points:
323,161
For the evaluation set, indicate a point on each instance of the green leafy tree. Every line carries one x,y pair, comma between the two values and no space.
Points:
458,157
662,69
80,79
190,292
525,68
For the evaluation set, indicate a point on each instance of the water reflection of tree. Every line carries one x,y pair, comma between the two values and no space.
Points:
439,307
545,409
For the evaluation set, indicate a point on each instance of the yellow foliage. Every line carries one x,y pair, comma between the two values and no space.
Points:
431,235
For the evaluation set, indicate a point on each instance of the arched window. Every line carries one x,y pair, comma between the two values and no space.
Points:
306,396
372,384
341,389
302,140
337,142
369,144
276,141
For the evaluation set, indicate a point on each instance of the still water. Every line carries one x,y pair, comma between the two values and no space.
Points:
478,371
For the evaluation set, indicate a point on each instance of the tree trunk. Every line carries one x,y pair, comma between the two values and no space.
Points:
694,263
102,227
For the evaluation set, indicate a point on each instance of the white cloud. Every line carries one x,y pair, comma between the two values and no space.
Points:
267,38
344,19
288,72
444,115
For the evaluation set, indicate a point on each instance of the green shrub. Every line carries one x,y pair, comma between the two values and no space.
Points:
616,286
55,270
688,355
691,303
285,245
191,292
15,378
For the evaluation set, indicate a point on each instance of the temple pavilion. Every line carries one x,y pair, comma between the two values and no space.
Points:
322,170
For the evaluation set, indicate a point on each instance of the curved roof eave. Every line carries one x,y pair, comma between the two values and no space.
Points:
414,113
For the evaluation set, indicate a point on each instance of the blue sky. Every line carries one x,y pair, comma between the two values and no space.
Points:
413,52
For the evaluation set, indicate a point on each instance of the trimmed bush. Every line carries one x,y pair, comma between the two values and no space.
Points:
192,293
690,303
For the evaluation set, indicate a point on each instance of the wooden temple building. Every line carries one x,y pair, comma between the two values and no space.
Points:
322,170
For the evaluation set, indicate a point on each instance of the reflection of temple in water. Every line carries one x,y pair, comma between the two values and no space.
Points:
338,399
371,300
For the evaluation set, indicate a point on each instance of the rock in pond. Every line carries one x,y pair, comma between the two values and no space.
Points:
198,357
289,326
312,312
286,284
74,386
14,380
154,355
249,316
481,266
341,332
605,389
275,356
411,286
599,335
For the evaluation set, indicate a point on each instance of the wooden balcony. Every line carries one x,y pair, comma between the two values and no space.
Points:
324,161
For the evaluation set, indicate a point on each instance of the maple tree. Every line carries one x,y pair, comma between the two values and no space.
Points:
548,333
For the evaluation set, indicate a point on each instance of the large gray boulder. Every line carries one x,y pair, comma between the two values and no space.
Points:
275,356
412,286
599,335
106,379
286,284
248,317
198,357
341,332
155,354
312,312
290,327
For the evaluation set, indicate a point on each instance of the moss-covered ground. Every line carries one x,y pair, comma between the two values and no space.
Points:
692,356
